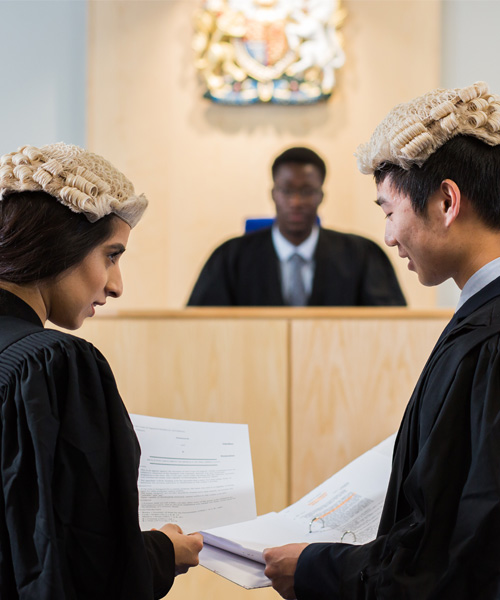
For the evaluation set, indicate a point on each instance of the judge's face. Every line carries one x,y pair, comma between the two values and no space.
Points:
418,238
297,193
74,295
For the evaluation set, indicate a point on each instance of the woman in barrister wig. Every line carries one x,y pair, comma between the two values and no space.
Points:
69,457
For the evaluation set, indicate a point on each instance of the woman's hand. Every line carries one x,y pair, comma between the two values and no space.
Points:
186,547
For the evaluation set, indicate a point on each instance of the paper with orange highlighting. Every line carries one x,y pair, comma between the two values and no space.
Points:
345,508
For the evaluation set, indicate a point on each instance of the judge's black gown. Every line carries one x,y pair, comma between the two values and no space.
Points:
69,460
439,535
350,270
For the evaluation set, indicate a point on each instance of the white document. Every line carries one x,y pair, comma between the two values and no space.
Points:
345,508
198,475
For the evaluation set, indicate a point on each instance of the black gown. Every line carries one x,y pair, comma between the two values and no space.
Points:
439,535
350,270
69,458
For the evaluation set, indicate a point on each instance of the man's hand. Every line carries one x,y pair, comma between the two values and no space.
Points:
281,563
186,547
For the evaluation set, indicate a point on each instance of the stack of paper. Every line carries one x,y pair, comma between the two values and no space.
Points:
345,508
199,475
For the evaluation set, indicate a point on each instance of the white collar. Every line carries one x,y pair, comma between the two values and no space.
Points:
479,280
285,249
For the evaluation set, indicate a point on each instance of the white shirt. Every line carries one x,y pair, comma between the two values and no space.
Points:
479,280
285,249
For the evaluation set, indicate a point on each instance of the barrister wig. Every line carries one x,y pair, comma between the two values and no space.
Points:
84,182
411,132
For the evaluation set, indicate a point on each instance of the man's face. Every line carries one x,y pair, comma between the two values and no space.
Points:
297,193
419,238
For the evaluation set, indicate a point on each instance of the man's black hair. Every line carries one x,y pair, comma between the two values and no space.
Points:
471,163
301,156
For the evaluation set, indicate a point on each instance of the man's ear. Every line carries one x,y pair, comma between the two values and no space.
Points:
451,198
273,194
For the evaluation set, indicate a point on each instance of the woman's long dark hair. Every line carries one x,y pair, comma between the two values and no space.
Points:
40,238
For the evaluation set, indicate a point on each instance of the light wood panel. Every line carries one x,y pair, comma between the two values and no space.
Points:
201,584
231,371
350,382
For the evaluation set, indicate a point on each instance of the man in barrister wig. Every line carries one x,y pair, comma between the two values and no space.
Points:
436,163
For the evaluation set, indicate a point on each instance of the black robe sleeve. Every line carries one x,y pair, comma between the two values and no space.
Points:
439,535
214,286
243,271
69,527
379,284
353,271
161,556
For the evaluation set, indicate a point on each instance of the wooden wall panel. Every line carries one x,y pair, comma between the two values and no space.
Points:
231,371
206,167
350,382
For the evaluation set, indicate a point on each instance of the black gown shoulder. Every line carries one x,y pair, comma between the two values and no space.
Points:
69,462
439,535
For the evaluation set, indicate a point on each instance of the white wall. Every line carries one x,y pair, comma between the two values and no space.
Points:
470,52
43,51
471,44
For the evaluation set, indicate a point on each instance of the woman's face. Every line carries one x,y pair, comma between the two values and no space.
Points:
73,296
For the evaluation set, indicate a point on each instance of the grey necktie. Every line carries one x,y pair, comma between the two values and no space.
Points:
296,291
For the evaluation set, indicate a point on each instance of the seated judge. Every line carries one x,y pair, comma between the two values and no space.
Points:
296,262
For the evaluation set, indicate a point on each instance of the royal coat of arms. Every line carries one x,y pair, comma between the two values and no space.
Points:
280,51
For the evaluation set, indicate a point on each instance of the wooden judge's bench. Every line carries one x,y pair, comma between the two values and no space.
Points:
317,387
